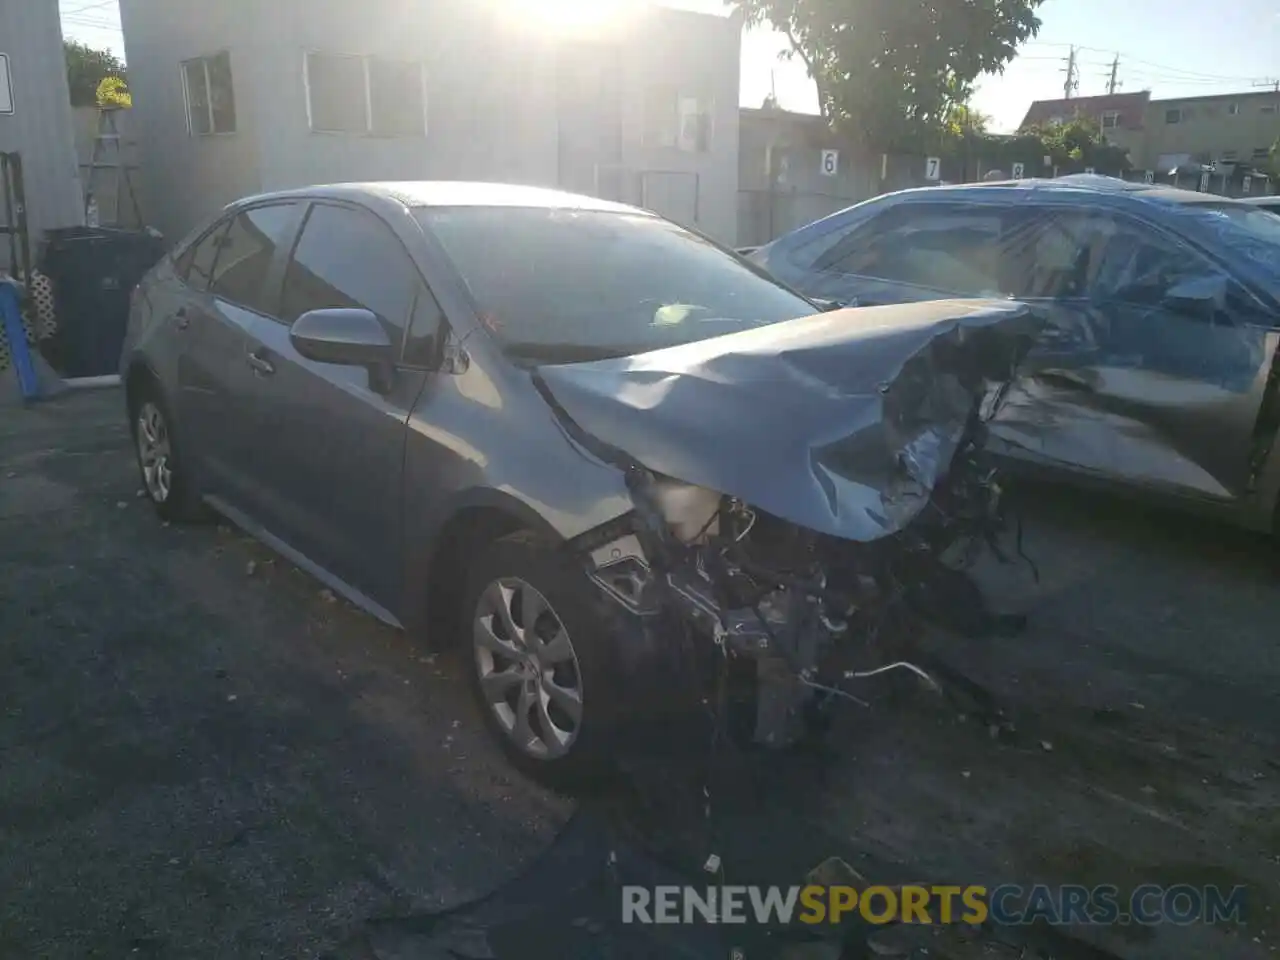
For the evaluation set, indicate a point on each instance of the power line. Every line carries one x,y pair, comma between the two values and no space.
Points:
1131,59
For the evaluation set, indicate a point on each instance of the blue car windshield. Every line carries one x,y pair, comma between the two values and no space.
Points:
562,284
1247,230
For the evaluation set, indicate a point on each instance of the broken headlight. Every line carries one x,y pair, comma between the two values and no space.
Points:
692,513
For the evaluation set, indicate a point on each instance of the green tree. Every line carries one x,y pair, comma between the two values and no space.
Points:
1080,143
86,69
890,72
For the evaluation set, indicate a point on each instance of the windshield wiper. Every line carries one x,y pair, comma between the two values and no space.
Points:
566,352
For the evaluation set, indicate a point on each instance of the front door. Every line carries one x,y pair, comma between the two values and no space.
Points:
1153,366
225,273
327,445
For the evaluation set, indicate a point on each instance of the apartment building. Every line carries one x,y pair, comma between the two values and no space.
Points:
1232,128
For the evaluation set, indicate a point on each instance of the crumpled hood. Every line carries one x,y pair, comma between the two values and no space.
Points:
841,422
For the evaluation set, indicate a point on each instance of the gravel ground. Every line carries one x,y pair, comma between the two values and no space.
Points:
206,755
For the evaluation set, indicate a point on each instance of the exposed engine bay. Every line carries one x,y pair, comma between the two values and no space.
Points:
795,602
801,490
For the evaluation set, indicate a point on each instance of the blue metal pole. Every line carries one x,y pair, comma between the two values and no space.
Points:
11,314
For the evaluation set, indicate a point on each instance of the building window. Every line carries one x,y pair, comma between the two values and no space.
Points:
1268,108
1229,156
366,96
1233,109
678,119
209,93
1110,119
1173,116
1262,153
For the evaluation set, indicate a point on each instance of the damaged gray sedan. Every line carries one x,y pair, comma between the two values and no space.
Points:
1157,369
597,448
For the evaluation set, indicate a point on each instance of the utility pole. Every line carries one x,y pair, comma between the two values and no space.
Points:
1073,75
1115,67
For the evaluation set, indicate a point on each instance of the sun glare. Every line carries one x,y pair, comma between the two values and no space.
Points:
573,15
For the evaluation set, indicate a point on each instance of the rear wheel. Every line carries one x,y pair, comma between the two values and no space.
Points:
165,474
538,659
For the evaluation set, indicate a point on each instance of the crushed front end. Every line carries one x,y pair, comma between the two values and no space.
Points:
851,499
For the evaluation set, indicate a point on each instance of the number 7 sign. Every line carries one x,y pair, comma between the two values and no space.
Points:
933,168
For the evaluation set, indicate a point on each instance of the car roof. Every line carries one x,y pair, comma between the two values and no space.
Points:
1075,187
1268,201
451,193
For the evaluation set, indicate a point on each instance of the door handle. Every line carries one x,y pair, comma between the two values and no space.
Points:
182,318
261,365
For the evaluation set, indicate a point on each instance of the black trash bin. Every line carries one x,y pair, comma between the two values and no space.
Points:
93,271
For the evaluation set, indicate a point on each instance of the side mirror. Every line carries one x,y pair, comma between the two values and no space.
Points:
349,336
1201,296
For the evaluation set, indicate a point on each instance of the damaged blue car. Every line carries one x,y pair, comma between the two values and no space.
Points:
1157,369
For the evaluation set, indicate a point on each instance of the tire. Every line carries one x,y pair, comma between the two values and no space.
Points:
164,471
512,674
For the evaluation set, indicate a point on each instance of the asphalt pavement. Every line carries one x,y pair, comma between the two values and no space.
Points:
206,754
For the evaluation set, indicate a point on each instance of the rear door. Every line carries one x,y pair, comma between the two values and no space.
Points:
326,448
227,271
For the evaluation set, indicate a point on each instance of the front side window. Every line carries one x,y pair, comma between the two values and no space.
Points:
350,258
246,252
366,96
1106,257
564,284
952,248
421,346
210,95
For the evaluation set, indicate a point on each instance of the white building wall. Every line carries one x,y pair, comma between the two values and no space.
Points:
40,127
490,95
184,178
493,103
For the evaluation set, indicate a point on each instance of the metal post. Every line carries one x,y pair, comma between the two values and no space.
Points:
11,320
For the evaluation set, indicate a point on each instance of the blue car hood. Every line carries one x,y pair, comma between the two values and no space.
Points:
841,422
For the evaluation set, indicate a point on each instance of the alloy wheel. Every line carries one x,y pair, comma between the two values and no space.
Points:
155,452
527,668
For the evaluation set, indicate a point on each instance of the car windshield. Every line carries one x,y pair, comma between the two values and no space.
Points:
1248,230
561,285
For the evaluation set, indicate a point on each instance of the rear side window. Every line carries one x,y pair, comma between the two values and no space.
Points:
195,266
349,258
246,253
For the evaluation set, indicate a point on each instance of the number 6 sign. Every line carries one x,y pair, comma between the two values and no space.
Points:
830,162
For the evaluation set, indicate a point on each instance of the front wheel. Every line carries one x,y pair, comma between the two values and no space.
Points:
538,659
